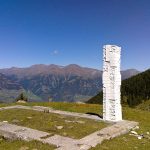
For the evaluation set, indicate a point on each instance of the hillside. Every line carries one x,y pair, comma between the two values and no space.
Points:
134,90
60,83
6,83
10,89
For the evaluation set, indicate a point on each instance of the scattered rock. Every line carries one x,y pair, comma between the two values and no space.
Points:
133,132
59,127
139,137
5,121
29,117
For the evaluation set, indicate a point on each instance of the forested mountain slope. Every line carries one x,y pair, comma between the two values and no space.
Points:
134,90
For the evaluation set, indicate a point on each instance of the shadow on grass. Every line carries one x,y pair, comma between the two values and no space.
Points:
94,114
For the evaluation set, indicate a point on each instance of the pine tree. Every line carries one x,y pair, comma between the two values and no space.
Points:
22,97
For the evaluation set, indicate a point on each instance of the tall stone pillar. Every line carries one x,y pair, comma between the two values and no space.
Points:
112,110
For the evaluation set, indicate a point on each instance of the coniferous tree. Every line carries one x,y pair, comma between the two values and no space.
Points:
22,97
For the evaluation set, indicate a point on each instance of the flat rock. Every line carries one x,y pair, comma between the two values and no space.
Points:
59,127
133,132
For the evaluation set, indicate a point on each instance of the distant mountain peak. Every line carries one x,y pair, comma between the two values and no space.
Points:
53,69
73,65
37,65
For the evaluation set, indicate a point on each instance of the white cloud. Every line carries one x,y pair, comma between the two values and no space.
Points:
55,52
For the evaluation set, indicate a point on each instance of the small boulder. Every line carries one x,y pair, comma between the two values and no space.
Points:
59,127
133,132
29,117
5,121
139,137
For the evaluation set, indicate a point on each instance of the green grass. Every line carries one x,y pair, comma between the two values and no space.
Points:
72,107
49,122
125,142
22,145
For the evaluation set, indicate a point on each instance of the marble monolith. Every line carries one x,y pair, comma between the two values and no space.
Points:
112,110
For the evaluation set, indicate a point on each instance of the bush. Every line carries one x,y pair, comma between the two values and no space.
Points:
22,97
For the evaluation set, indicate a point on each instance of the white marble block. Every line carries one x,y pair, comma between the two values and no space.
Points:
112,110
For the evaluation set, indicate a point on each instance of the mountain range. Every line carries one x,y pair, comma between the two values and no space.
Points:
53,82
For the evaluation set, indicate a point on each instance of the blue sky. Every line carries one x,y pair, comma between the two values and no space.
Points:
73,32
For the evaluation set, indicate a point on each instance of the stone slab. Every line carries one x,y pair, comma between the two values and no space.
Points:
64,143
17,132
107,133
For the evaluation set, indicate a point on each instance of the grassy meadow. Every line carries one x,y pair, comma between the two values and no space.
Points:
125,142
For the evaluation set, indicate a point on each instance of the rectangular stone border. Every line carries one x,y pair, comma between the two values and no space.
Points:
51,110
64,143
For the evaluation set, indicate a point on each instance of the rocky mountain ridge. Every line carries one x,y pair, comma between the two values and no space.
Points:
60,83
